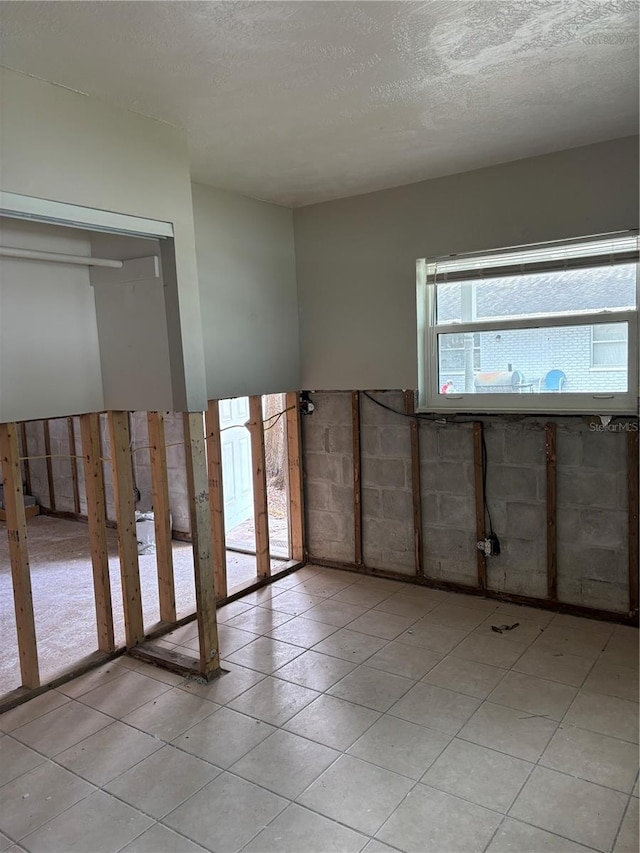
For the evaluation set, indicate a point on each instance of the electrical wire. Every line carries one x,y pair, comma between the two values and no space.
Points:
420,416
433,419
277,417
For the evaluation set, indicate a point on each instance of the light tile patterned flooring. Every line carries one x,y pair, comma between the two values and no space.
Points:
356,714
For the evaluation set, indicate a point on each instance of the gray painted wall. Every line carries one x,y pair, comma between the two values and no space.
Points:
64,146
133,330
248,299
49,355
356,256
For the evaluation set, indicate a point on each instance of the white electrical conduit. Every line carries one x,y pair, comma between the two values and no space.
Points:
35,255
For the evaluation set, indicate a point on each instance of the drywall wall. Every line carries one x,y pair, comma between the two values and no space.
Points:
49,353
248,300
132,325
61,145
356,257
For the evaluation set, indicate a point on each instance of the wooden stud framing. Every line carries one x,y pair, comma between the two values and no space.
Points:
197,481
49,461
25,454
97,521
161,516
416,488
216,498
74,464
633,468
552,526
294,480
478,477
357,479
18,555
125,514
260,506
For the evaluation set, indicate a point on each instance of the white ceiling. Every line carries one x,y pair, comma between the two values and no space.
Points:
298,102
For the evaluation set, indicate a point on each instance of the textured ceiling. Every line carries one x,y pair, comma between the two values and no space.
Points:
297,102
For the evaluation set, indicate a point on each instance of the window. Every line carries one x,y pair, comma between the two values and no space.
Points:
550,328
609,343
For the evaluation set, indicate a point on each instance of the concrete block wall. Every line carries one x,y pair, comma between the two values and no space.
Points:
592,516
516,498
176,471
448,509
328,468
60,463
387,501
63,479
591,499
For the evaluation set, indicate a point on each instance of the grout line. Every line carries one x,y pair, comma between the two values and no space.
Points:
325,692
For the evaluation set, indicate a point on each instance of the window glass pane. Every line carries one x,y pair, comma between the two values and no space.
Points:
530,361
452,353
561,292
610,332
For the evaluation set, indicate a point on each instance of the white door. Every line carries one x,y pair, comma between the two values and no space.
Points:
237,481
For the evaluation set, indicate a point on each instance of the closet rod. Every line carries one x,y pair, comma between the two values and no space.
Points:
35,255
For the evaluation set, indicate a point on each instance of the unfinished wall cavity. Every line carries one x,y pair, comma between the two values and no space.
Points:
591,510
58,485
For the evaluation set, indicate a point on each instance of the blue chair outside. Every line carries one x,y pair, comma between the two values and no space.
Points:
553,380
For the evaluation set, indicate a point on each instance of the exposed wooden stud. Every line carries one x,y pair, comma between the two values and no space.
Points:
103,460
97,521
357,478
161,516
633,469
18,555
125,515
49,462
74,464
552,524
416,487
216,497
294,477
480,501
260,506
197,482
25,453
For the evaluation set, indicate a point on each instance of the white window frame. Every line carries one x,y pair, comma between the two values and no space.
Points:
429,398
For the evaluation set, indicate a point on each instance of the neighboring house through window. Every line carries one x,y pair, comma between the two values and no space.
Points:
609,345
554,327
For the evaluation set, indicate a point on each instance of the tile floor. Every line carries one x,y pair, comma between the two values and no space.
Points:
357,714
